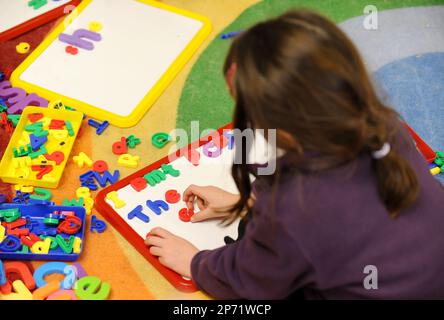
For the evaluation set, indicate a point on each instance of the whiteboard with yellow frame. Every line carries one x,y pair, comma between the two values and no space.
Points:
112,59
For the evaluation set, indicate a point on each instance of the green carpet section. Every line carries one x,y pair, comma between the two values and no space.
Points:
205,98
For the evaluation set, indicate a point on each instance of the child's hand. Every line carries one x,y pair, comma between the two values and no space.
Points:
174,252
212,202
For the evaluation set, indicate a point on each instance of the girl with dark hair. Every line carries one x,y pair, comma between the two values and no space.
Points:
351,211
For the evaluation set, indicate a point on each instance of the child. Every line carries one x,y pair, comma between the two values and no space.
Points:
352,210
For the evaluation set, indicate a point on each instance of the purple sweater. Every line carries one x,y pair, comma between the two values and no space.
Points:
327,227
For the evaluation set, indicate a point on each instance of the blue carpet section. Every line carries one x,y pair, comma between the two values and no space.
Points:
414,86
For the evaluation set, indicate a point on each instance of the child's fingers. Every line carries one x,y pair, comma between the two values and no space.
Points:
200,204
154,241
155,251
160,232
162,261
193,190
202,215
188,193
190,202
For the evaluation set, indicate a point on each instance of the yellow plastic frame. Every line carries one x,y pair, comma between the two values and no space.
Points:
6,165
149,99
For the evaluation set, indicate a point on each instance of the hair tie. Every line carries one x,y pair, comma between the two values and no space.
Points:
381,153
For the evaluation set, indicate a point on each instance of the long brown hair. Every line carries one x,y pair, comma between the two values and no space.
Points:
300,74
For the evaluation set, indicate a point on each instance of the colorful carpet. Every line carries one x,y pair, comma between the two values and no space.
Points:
412,83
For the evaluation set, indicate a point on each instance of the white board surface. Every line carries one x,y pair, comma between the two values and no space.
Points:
16,12
211,171
139,43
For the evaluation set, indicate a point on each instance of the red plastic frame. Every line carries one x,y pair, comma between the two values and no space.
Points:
129,234
36,22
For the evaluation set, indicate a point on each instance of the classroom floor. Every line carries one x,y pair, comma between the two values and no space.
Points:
410,75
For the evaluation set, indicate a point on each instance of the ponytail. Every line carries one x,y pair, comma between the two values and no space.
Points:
397,182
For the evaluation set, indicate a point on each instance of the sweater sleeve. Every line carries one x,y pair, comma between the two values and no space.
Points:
264,264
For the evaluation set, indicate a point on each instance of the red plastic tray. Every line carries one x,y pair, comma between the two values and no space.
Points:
129,234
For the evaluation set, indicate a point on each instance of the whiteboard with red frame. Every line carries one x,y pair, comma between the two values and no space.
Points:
212,170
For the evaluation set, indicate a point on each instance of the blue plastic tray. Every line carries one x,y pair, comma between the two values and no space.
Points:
37,213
